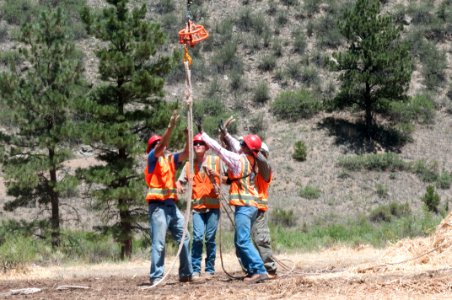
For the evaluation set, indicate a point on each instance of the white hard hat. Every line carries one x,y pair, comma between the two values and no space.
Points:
264,148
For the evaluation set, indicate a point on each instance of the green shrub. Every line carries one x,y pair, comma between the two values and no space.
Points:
168,22
294,71
225,57
419,108
261,93
247,21
212,107
272,8
210,111
311,7
214,88
236,81
258,125
421,14
223,32
295,105
433,67
299,41
444,180
90,247
281,18
10,58
382,190
310,192
290,2
3,31
386,213
277,47
431,199
165,6
280,75
19,12
374,162
16,252
283,217
426,171
300,152
267,63
327,31
309,76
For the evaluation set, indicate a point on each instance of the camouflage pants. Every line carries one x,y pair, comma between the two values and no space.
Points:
262,240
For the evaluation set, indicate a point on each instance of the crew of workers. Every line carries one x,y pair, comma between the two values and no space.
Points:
243,165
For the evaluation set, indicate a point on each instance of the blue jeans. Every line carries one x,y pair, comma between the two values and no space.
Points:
164,215
204,224
249,257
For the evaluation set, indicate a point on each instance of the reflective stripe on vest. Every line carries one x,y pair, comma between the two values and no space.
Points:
242,191
203,194
262,190
162,181
166,193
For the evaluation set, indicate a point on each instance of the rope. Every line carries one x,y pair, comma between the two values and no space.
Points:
189,100
226,208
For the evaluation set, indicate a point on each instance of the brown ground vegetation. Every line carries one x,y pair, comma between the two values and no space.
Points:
409,269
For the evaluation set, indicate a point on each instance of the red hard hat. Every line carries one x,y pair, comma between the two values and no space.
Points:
253,141
152,140
198,138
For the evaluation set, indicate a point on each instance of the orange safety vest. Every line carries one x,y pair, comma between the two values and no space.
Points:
204,194
242,191
162,181
262,190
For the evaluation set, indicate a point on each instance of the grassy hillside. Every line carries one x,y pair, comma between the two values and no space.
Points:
258,49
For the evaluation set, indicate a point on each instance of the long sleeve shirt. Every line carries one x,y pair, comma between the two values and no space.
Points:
264,168
231,159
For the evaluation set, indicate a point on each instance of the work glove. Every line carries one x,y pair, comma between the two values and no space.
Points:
199,125
223,130
173,119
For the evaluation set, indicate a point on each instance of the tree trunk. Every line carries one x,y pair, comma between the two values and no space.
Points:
368,110
125,230
55,203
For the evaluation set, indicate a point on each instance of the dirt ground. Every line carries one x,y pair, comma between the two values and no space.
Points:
340,273
418,268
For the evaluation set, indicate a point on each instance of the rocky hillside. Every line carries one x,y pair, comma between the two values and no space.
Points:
257,49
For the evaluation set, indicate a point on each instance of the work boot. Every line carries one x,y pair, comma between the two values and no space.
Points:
155,281
191,279
256,278
272,275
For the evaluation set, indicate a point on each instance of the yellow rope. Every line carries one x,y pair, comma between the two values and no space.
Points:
186,55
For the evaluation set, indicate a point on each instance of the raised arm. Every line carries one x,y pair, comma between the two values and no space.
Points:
184,154
231,159
160,148
263,166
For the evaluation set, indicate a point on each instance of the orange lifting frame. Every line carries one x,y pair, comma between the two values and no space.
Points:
192,34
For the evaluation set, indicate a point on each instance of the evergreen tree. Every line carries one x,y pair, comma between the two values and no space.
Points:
376,67
126,102
36,100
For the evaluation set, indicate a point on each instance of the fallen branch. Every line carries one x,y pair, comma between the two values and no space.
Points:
25,291
72,287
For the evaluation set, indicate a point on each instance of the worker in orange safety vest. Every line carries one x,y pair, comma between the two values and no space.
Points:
205,204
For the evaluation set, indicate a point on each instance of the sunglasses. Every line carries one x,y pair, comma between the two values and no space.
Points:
243,144
199,144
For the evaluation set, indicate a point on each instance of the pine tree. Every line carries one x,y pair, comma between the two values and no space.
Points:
124,104
36,100
376,67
